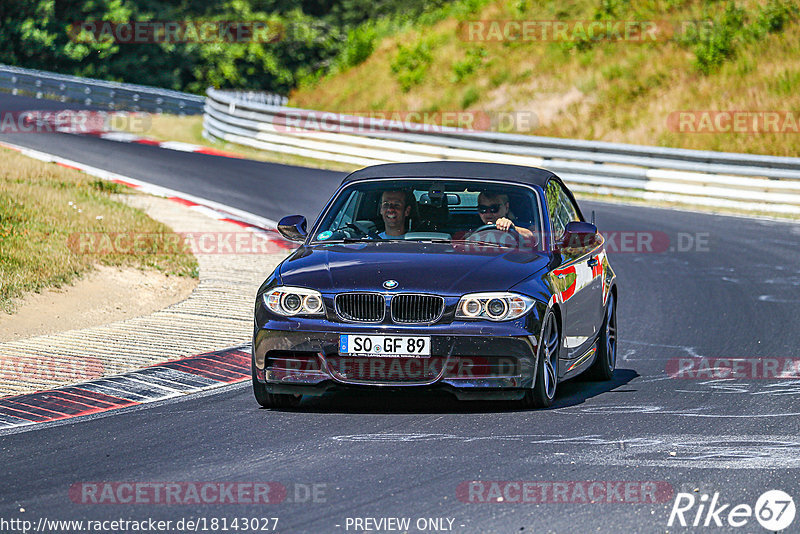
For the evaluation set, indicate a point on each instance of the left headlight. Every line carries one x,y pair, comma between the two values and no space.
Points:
285,300
493,306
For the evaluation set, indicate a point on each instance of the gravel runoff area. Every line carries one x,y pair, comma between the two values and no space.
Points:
218,314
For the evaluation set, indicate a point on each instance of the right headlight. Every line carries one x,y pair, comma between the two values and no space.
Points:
286,300
500,306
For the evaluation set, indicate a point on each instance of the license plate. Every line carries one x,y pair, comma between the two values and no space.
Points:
408,346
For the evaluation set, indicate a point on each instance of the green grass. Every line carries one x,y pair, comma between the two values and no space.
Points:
43,206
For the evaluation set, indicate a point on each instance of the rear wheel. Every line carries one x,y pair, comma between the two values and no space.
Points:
546,378
606,360
273,400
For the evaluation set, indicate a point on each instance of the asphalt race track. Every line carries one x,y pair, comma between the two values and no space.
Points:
722,287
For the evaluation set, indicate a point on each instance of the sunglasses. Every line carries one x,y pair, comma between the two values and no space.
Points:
493,208
392,205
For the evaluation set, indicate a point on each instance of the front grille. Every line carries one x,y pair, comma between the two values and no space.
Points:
416,308
364,307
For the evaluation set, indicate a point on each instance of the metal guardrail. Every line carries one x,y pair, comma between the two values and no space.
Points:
98,93
252,97
743,181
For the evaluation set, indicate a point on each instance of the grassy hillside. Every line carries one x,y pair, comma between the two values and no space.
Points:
743,56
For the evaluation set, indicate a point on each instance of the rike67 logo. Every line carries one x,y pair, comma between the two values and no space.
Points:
774,510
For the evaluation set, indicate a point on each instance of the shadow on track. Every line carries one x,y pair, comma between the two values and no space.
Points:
570,393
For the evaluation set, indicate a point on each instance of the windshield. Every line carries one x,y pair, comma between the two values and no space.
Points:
456,211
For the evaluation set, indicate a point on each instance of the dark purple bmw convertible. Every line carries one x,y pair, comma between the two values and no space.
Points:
481,279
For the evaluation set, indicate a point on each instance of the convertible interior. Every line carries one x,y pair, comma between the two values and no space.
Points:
434,215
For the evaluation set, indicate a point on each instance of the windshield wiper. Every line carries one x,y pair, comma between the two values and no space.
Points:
488,243
430,240
345,240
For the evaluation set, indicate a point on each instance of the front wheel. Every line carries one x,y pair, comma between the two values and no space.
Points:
546,377
273,400
606,360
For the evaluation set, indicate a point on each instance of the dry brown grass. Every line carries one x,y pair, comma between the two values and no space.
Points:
42,205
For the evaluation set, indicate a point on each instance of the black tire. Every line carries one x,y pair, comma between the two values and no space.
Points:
546,377
273,400
606,360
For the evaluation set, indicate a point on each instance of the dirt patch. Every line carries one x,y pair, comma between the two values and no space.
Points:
104,295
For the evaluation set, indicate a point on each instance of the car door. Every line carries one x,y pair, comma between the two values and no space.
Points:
576,279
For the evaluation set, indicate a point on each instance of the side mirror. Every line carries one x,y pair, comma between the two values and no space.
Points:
293,228
579,234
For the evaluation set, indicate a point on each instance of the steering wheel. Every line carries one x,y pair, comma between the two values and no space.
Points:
491,226
476,235
352,226
356,230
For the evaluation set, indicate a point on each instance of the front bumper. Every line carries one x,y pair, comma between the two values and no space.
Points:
468,359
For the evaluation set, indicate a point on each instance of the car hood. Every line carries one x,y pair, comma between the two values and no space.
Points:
417,267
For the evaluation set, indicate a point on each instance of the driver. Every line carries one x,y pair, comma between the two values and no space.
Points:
493,208
395,210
